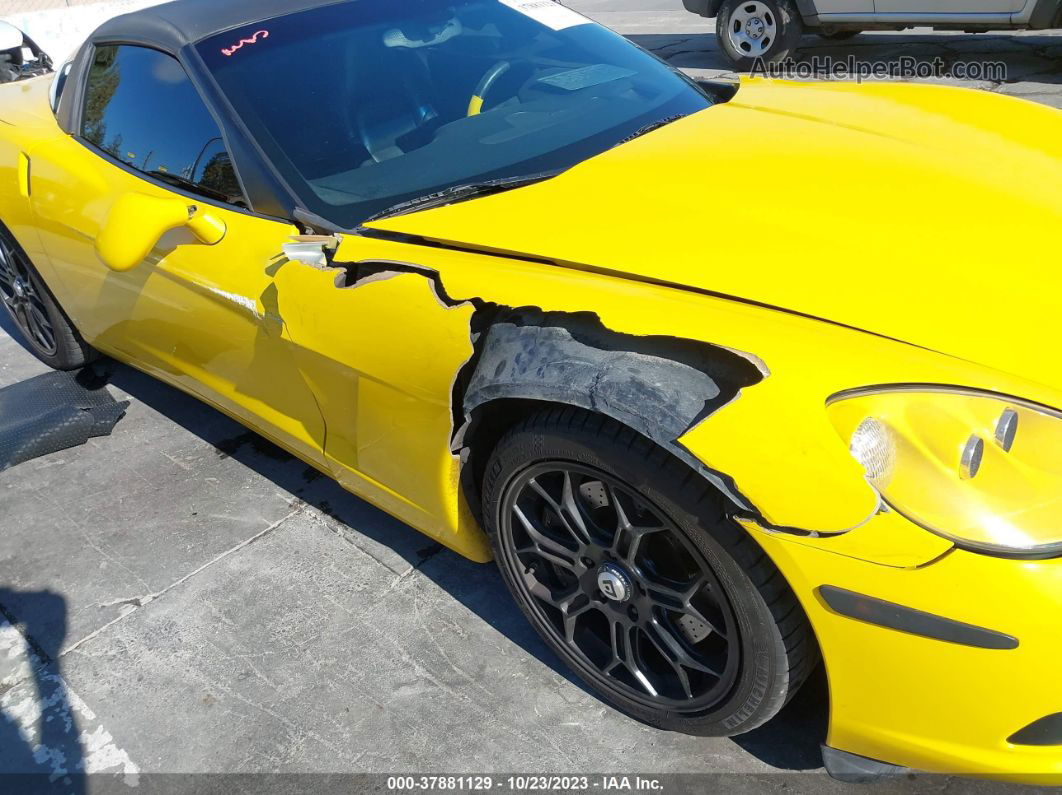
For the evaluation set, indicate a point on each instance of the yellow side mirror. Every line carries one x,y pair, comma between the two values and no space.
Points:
137,222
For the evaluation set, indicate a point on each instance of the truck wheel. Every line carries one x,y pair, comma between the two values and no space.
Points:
758,30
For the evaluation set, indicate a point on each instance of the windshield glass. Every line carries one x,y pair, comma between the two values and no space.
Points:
365,104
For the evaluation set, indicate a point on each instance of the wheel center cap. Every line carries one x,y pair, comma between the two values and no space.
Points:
754,28
614,582
20,290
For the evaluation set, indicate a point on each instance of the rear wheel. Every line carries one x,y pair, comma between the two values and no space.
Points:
50,336
625,562
758,30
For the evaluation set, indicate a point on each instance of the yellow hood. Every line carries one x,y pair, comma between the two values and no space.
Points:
932,215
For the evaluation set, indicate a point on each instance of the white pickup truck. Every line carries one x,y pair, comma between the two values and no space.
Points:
770,29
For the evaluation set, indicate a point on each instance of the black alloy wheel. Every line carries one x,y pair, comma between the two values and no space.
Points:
19,292
626,563
48,332
620,586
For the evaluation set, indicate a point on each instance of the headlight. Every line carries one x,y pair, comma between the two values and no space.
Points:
980,469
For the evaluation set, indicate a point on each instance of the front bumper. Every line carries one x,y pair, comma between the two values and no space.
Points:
929,704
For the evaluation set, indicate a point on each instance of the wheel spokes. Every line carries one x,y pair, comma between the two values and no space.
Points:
752,28
625,654
680,672
7,277
574,510
618,585
544,593
628,536
19,295
40,328
571,609
566,508
676,653
21,317
680,600
543,545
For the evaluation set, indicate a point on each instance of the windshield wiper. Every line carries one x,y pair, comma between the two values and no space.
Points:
648,128
190,186
471,190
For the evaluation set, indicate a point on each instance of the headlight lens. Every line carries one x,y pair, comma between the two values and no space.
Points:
982,470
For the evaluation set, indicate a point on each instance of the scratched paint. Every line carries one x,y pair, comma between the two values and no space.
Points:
240,300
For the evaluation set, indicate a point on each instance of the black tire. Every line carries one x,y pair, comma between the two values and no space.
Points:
779,16
840,35
766,630
48,333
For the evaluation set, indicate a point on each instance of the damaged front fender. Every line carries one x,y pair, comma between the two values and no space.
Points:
659,386
406,340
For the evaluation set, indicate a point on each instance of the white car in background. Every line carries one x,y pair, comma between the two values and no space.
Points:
771,29
20,57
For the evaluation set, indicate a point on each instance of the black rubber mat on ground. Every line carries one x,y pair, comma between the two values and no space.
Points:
53,412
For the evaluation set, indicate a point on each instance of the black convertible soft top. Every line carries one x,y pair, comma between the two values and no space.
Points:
171,26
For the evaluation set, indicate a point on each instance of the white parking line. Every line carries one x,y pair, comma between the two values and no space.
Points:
59,730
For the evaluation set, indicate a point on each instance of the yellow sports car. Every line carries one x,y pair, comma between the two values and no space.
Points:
499,271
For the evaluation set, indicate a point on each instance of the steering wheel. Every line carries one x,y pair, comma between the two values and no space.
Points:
475,105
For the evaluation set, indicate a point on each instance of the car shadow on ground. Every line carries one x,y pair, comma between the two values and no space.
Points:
791,741
1027,57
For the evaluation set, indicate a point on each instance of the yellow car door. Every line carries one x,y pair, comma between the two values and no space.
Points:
203,317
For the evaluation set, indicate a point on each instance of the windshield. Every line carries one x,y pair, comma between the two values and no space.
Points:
366,104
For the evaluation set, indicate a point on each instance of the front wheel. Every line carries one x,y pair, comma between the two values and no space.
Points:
625,562
758,30
50,335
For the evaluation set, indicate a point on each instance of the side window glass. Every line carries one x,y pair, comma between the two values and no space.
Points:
141,108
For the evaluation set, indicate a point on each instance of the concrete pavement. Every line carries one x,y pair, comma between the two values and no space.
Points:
190,599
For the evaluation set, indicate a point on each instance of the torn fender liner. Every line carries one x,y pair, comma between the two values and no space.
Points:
659,386
53,412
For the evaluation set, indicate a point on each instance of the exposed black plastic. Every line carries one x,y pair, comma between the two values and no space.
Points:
1045,731
914,622
659,386
855,769
53,412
